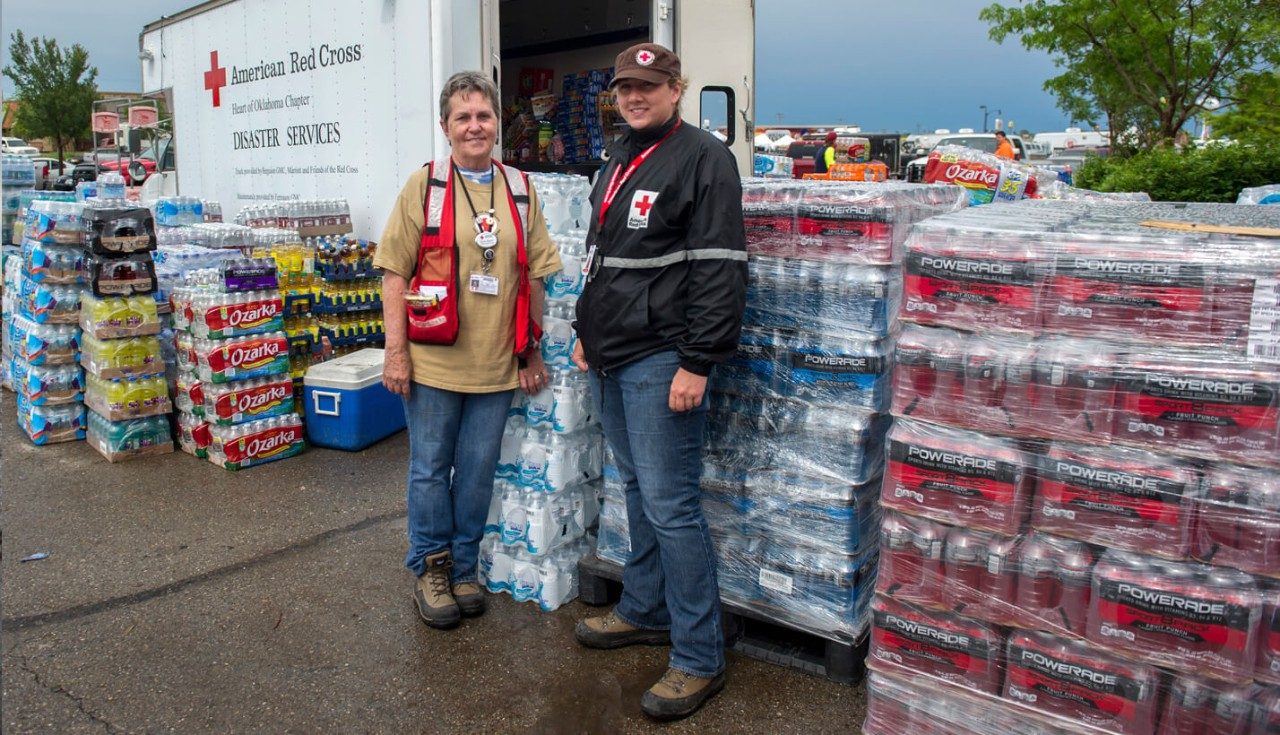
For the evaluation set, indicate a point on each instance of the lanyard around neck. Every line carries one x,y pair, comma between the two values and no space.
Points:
621,177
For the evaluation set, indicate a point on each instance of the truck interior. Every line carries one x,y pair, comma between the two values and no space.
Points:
556,115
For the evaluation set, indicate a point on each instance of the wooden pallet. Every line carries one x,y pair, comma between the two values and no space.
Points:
749,631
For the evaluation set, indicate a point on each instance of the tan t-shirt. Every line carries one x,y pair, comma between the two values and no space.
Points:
481,361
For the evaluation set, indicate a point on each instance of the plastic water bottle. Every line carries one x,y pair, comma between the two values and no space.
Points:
524,577
509,452
514,518
558,338
111,185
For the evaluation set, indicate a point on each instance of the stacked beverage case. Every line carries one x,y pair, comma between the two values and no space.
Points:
1082,525
43,289
797,418
547,488
235,395
126,393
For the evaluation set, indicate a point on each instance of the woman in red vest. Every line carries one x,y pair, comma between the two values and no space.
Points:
463,257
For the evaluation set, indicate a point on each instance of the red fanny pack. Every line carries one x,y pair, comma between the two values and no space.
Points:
431,303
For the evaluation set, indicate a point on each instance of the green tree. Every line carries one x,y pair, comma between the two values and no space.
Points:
1148,64
1255,114
55,89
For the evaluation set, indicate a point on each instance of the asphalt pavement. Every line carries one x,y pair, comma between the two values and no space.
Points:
180,597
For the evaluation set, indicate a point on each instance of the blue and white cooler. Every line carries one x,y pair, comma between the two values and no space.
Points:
347,405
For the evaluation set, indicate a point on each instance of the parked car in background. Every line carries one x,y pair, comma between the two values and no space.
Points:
981,141
18,146
83,171
48,170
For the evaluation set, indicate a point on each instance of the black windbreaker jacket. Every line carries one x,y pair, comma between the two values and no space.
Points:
670,267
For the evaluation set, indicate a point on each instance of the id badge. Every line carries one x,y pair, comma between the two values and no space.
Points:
586,264
482,284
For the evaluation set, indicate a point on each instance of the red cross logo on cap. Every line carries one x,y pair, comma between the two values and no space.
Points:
645,57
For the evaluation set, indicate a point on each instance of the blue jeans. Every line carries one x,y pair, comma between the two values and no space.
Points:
454,441
669,583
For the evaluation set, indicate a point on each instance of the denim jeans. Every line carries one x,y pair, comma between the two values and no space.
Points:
669,582
454,440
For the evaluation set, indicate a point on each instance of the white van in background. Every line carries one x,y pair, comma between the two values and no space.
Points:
1074,138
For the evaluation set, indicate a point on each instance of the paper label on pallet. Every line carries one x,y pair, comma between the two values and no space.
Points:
776,581
1264,321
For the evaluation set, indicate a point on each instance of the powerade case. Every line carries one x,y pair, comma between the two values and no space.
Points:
119,230
133,274
347,406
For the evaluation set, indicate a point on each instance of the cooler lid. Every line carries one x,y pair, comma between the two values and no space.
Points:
359,369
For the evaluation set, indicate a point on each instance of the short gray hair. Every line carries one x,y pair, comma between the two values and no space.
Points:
466,82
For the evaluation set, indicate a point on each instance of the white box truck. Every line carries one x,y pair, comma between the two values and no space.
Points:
281,99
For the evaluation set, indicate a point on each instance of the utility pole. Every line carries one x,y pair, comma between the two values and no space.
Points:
984,117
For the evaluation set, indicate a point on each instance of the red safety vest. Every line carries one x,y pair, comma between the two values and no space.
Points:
437,323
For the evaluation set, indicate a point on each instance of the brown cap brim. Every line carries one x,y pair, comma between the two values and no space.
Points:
653,76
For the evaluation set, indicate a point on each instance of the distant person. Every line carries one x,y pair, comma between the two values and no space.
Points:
826,155
1004,149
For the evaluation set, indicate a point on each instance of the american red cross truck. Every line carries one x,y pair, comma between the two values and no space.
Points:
280,99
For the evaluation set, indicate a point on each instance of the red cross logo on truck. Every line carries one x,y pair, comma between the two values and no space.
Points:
215,79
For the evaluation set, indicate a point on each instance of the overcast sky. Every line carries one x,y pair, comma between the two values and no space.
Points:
901,65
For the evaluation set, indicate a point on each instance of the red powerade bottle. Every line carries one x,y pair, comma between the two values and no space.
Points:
928,378
980,576
906,639
971,280
1116,496
1053,584
1124,290
1202,406
1199,707
1188,617
1073,391
957,476
1074,680
911,559
1267,664
996,373
1238,519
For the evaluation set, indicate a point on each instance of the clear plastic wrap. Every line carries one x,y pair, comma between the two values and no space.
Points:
240,358
51,424
1268,194
1092,392
821,296
54,222
49,304
222,315
116,317
958,476
123,440
1238,520
114,227
842,371
121,358
1119,497
983,176
910,639
1091,270
1189,617
843,221
135,274
549,580
247,400
44,344
128,398
54,264
257,442
50,386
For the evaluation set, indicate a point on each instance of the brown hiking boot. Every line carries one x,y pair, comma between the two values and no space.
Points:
608,631
678,694
470,598
436,606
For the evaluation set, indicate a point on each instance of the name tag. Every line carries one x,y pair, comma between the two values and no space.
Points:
482,284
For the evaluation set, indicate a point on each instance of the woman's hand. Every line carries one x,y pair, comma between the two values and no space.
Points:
397,371
533,376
